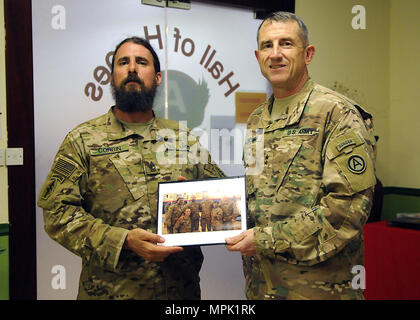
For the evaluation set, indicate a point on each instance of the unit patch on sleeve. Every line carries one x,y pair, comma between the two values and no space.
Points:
356,164
349,153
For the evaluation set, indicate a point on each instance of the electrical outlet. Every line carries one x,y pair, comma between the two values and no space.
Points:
14,156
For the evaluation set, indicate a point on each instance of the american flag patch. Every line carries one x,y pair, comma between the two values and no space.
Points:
64,168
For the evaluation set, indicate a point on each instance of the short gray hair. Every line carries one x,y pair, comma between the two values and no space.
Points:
283,16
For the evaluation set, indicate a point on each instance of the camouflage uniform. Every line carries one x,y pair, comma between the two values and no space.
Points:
195,214
312,199
182,225
103,183
206,207
217,219
230,212
174,213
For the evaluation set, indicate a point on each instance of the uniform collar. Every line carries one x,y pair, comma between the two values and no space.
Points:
116,129
296,108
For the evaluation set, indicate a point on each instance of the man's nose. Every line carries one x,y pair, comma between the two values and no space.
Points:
276,52
132,67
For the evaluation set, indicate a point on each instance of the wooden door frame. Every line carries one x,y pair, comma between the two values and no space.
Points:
20,134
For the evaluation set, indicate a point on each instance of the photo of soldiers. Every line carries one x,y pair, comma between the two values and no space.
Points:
183,224
201,205
209,205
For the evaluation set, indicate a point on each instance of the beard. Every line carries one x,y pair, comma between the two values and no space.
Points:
132,100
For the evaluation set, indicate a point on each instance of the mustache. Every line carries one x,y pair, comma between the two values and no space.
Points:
132,77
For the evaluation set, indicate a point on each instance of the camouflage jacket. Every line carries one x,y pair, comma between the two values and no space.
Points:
195,209
103,182
230,210
309,195
206,207
173,214
183,224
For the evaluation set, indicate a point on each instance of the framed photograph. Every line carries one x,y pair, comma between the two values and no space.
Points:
201,212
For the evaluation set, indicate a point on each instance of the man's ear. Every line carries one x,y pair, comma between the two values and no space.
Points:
309,54
256,54
158,78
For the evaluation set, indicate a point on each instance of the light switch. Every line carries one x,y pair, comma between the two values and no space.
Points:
14,156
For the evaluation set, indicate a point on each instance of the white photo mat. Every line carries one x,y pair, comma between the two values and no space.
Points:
231,188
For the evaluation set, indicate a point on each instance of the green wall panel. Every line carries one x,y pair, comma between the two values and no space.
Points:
4,267
400,200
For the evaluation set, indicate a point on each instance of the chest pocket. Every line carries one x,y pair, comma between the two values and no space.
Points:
282,159
136,173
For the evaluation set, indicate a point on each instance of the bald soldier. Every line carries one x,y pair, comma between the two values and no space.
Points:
99,199
308,203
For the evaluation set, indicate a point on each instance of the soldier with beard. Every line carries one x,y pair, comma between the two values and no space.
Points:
99,199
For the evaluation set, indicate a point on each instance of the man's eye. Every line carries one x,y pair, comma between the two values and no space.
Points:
266,45
286,44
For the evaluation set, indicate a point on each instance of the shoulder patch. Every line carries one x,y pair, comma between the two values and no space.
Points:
356,164
343,144
49,188
349,153
64,168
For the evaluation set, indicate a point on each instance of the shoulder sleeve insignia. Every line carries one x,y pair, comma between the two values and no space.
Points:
349,153
356,164
65,168
48,189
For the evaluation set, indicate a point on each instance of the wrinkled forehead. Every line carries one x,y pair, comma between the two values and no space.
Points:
133,49
271,29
